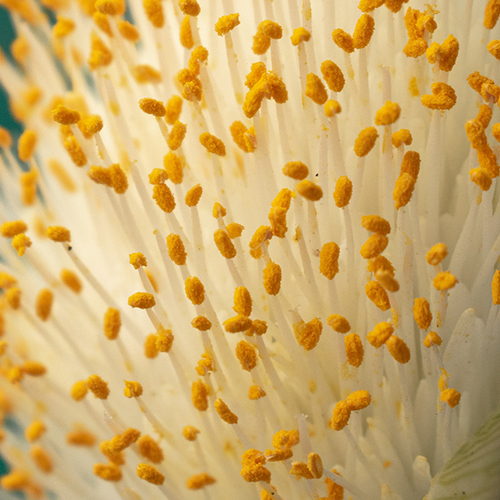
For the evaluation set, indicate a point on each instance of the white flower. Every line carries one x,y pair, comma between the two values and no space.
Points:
360,323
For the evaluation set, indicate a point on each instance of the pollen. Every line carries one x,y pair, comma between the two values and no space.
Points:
164,340
329,260
377,295
484,115
300,469
495,288
308,334
190,432
128,31
138,260
132,389
443,97
154,12
246,355
300,35
272,278
65,116
338,323
354,349
363,31
175,138
432,338
16,480
98,387
436,254
13,228
71,280
343,191
402,136
450,396
164,197
278,455
20,242
199,481
199,395
444,281
100,175
376,224
341,415
13,297
59,233
173,109
296,170
237,324
34,431
481,178
121,441
374,246
193,196
150,349
252,467
81,437
92,125
475,133
195,291
79,390
63,27
218,211
239,134
365,141
359,400
410,164
315,89
227,23
398,349
212,144
110,7
150,474
142,300
388,113
150,449
224,412
176,250
234,230
41,458
258,327
224,244
491,14
380,334
343,40
256,392
422,313
152,107
201,323
242,301
332,108
27,144
403,190
33,368
309,190
494,48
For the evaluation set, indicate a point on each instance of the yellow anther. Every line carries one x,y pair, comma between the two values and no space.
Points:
377,295
224,244
410,164
448,54
79,390
315,465
13,297
300,35
363,31
205,365
102,22
359,400
338,323
34,431
365,141
13,228
271,29
112,323
309,190
98,387
252,467
15,375
257,70
212,144
374,246
376,224
218,211
379,335
254,97
150,449
150,474
199,54
484,115
154,12
81,437
150,349
278,455
272,278
224,412
173,109
121,441
296,170
332,108
193,196
386,279
190,432
261,236
144,73
258,327
436,254
33,368
491,14
63,27
27,180
315,89
199,395
100,175
488,160
189,7
71,280
343,191
110,7
6,280
354,349
246,355
494,48
443,97
444,281
403,190
91,124
199,481
174,141
239,133
152,107
128,31
164,197
432,338
142,300
26,145
340,416
370,5
100,55
227,23
277,219
256,392
387,114
41,458
20,49
422,313
300,469
176,250
58,233
475,133
164,340
495,288
343,40
201,323
329,260
75,151
132,389
16,480
238,323
450,396
138,260
195,291
242,301
286,439
234,230
308,334
116,458
334,490
5,138
402,136
398,349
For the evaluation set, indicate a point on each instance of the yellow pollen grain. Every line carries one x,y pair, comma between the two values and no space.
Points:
252,467
315,89
386,279
150,474
365,26
98,387
218,211
309,190
278,455
398,349
26,145
119,180
176,137
199,395
224,412
256,392
163,197
201,323
422,313
212,144
173,109
329,260
300,469
224,244
176,250
402,136
374,246
110,7
137,260
154,12
436,254
234,230
343,40
79,390
296,170
449,53
377,295
20,242
272,278
150,349
119,442
59,234
494,48
227,23
359,400
41,458
238,323
365,141
34,431
257,70
388,113
75,151
300,35
340,416
164,340
112,323
92,124
343,191
99,175
354,349
308,334
199,481
380,334
190,432
338,323
444,281
410,164
193,196
102,22
16,480
259,327
132,389
81,437
450,396
443,97
63,27
195,291
242,301
432,338
142,300
484,115
403,190
150,449
245,352
376,224
271,29
332,108
71,280
488,160
33,368
189,7
128,31
12,228
495,288
475,133
152,107
491,14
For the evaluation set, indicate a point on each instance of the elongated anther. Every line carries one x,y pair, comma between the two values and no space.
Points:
398,349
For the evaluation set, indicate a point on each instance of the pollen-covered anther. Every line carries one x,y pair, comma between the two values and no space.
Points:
150,349
432,338
100,175
112,323
12,228
16,480
132,389
402,136
163,197
227,23
71,280
329,260
333,76
20,243
365,141
242,301
495,288
110,7
494,48
278,455
59,234
403,190
199,481
190,432
246,354
388,113
359,400
340,416
332,108
34,431
354,349
443,97
376,224
119,442
150,449
13,297
315,89
224,244
445,55
450,396
150,474
300,35
386,279
436,254
142,300
422,313
193,196
201,323
108,472
444,281
63,27
476,134
272,278
380,334
491,14
212,144
199,395
224,412
308,334
259,327
296,170
137,260
238,323
309,190
338,323
398,349
343,191
33,368
252,467
98,387
164,340
195,291
343,40
79,390
65,116
256,392
152,107
300,469
363,31
377,295
81,437
189,7
176,250
374,246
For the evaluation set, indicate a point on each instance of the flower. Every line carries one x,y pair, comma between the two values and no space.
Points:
295,263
